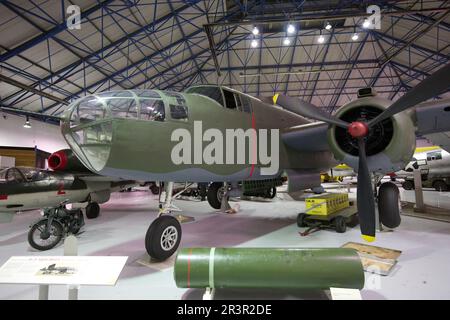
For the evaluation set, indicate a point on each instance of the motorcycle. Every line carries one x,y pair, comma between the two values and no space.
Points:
57,222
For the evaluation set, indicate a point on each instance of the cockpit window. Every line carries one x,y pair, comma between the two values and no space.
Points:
152,110
211,92
178,112
122,108
177,105
89,109
229,98
246,104
147,94
11,175
237,96
30,174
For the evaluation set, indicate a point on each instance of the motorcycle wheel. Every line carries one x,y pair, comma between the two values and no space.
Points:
41,241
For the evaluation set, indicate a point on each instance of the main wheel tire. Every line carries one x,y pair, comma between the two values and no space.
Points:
389,205
55,236
154,189
340,224
92,210
163,237
213,195
408,185
440,185
271,193
301,220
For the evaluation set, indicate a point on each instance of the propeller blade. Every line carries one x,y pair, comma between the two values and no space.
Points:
365,198
432,86
307,110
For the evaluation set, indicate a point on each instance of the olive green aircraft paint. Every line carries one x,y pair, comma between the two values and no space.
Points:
114,141
141,149
276,268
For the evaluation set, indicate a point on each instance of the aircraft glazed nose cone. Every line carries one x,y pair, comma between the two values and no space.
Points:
358,129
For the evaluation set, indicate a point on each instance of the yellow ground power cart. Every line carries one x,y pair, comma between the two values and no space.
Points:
327,210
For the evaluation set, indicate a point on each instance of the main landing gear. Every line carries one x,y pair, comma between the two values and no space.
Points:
92,210
389,205
164,234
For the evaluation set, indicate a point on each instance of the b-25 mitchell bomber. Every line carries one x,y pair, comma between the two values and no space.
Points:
219,135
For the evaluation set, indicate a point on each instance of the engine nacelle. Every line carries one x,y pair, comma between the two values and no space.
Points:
65,160
390,144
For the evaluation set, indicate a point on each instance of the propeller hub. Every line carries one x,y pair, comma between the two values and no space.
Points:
358,129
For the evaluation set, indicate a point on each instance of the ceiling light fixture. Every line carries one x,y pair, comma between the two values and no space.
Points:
27,123
290,29
254,43
321,39
366,24
328,26
355,37
286,41
255,31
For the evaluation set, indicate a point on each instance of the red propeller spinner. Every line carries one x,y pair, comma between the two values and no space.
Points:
358,129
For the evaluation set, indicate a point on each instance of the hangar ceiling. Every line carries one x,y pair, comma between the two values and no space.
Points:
165,45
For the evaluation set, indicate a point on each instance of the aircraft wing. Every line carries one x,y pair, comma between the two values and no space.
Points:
441,139
115,182
97,178
309,137
433,122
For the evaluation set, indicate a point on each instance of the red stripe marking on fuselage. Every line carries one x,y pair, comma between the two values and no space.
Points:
3,197
254,144
61,189
189,269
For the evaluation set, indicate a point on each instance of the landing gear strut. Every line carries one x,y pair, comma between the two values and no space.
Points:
164,234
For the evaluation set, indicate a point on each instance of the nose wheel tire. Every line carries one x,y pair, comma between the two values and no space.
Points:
40,239
92,210
163,237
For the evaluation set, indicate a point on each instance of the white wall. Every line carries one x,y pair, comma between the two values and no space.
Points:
46,137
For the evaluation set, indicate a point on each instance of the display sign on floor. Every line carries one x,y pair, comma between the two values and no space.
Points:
76,270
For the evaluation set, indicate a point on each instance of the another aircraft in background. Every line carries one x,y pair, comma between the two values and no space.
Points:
23,189
433,161
434,165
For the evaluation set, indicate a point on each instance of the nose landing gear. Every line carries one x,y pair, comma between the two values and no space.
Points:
164,234
163,237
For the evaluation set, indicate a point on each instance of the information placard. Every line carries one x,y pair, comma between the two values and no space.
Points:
70,270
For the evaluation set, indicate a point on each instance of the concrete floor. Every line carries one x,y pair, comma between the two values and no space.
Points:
421,273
